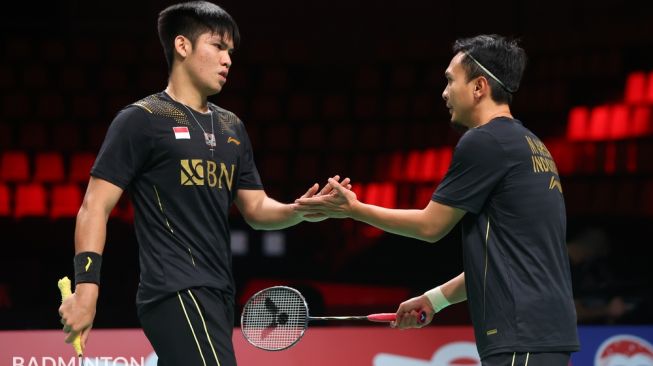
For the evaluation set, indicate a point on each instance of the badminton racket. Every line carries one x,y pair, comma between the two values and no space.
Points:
276,318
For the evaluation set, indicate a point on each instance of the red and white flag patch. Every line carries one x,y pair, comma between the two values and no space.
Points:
181,133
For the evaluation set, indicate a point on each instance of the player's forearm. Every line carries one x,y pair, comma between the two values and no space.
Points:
90,236
410,223
90,229
272,215
454,290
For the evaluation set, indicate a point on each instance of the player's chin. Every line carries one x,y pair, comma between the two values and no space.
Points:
215,88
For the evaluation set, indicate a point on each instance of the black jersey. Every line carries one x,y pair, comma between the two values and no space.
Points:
182,183
516,265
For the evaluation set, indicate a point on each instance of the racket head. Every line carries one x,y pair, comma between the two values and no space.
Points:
275,318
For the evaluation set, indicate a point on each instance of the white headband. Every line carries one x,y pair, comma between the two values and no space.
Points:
490,73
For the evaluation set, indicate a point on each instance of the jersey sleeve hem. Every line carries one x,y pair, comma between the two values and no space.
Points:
111,179
453,203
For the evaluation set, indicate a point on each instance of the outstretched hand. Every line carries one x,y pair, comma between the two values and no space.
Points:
328,189
338,202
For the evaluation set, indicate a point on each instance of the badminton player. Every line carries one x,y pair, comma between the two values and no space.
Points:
503,186
184,161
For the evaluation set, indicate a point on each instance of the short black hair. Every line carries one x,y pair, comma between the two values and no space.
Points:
503,57
190,20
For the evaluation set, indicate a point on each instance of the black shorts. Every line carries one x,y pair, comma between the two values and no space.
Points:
193,327
527,359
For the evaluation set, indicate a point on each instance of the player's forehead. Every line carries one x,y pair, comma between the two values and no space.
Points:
455,67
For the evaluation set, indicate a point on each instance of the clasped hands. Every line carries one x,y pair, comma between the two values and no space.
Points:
335,200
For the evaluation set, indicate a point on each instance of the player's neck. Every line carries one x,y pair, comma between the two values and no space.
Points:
184,92
489,112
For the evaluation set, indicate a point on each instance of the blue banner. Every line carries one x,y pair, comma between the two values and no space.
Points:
614,346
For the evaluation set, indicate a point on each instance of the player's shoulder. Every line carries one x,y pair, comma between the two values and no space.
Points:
159,106
227,119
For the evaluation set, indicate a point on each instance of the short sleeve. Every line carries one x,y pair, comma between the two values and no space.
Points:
125,149
249,176
477,166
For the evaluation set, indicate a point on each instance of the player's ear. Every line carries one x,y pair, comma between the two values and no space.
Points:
481,86
182,46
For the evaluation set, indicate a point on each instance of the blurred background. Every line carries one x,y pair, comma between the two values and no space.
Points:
331,87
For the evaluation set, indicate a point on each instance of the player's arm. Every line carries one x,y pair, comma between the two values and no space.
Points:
265,213
78,311
429,224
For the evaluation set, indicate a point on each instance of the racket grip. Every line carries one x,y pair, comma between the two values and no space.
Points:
64,288
382,317
390,317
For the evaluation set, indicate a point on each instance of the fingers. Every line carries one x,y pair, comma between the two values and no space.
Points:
336,186
71,336
327,188
84,337
311,191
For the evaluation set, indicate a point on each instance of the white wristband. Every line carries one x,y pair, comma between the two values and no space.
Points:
437,299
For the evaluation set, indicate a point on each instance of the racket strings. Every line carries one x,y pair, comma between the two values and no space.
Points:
275,318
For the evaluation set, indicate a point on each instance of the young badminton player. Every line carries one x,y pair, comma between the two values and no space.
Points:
184,161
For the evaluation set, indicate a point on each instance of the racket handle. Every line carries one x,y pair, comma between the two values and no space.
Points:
64,288
382,317
390,317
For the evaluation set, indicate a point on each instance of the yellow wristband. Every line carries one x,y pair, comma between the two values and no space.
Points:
437,299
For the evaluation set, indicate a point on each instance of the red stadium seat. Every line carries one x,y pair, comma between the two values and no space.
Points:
635,84
642,124
80,167
649,88
48,167
5,208
31,200
14,167
393,167
65,200
577,123
430,165
412,166
619,121
599,122
446,154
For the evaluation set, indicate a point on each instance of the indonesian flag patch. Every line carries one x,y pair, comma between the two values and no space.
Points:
181,133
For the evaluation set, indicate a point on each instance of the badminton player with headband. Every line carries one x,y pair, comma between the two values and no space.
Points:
503,187
185,161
